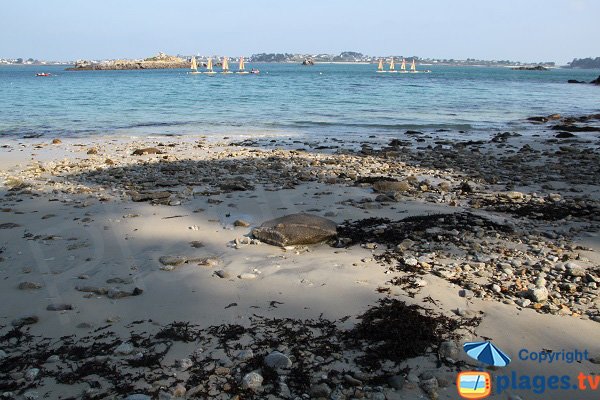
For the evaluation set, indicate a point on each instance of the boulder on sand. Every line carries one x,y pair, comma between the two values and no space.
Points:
296,229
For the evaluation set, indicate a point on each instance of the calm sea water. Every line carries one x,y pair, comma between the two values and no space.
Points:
289,99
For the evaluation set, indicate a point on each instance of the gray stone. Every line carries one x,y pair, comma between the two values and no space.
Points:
252,381
28,320
538,294
59,307
396,382
430,385
320,390
172,260
29,285
277,360
241,223
449,349
575,270
32,373
124,349
244,355
296,229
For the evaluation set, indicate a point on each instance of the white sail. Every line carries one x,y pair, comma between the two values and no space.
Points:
413,67
392,67
194,65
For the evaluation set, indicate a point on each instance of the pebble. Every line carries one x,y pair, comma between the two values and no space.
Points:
449,349
29,285
124,349
467,294
53,359
538,294
179,391
31,395
223,274
244,355
184,363
396,382
248,275
241,223
252,381
523,302
59,307
28,320
172,260
277,360
32,373
320,390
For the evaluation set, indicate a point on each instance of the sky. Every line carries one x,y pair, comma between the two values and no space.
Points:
517,30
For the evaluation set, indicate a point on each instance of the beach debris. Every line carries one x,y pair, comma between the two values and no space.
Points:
59,307
296,229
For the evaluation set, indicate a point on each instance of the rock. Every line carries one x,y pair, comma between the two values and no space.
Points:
405,245
32,373
352,381
56,141
449,349
467,294
241,223
574,81
145,196
513,195
9,225
575,270
248,276
29,285
124,349
396,382
523,302
411,261
429,386
223,274
59,307
147,150
3,354
252,381
596,81
320,390
172,260
184,363
296,229
538,294
138,396
196,244
28,320
92,151
31,395
565,135
391,186
53,359
119,294
277,360
244,355
179,390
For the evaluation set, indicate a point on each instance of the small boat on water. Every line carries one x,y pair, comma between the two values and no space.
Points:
392,66
254,71
242,67
380,66
43,74
403,66
194,67
209,67
413,66
226,66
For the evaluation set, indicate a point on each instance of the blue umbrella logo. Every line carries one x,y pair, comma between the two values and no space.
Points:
487,353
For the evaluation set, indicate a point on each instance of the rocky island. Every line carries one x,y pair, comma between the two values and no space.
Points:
160,61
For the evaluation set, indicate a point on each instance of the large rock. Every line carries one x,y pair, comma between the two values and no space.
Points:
596,81
296,229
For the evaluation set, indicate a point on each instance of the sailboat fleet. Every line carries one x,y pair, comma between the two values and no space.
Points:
392,67
224,67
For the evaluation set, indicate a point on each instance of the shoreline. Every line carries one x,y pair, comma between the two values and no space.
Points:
86,223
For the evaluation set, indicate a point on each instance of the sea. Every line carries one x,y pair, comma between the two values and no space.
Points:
339,100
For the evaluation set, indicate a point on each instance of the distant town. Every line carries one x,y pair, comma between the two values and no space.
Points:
344,57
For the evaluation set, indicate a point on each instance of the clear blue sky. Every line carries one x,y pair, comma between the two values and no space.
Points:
523,30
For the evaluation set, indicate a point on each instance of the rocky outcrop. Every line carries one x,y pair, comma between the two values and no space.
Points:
160,61
536,68
296,229
596,81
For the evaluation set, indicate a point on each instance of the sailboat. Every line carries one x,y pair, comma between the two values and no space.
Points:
209,67
392,66
241,69
413,67
226,66
380,66
194,66
403,66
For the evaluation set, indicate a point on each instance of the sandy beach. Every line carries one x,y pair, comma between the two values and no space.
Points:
129,269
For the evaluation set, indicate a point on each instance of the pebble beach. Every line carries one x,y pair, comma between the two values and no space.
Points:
133,268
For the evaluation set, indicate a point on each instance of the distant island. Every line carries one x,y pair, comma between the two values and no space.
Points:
160,61
588,63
